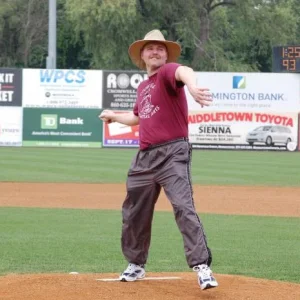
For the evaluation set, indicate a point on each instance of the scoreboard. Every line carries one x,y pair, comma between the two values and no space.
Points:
286,59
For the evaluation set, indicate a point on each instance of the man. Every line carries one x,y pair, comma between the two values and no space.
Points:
164,158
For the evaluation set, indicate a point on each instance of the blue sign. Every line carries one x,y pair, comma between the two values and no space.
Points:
56,76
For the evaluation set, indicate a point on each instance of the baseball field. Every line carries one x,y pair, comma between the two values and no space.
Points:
60,213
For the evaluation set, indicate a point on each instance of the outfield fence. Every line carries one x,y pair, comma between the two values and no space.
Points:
60,108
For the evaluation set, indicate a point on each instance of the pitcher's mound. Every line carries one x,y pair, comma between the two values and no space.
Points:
181,286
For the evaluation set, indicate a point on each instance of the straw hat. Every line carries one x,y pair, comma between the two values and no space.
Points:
135,48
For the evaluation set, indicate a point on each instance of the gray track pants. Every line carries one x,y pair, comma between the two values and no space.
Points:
166,166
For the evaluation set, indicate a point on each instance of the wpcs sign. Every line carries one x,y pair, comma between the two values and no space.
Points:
62,88
62,127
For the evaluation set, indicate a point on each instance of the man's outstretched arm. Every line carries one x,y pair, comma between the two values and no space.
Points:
188,77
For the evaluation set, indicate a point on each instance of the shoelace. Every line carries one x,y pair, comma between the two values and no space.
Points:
205,271
130,268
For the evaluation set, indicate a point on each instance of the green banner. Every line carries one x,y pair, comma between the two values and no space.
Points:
52,127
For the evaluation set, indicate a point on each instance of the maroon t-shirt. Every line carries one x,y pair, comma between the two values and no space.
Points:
161,107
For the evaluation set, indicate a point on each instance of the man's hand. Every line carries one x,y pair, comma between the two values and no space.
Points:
127,118
107,116
201,95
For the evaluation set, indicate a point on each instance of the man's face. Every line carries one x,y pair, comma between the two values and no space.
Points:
154,54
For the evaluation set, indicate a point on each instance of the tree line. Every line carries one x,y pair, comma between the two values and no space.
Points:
215,35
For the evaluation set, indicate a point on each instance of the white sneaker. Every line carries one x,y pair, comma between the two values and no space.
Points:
133,272
206,279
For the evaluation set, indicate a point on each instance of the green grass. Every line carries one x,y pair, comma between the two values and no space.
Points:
110,166
65,240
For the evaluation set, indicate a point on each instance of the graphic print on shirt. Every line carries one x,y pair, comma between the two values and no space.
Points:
147,109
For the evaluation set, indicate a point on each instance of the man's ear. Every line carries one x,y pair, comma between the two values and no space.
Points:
142,54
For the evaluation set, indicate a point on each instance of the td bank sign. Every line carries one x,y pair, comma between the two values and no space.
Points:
52,121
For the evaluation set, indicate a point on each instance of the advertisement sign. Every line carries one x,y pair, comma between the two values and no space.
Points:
119,88
119,135
62,88
244,130
299,132
62,127
249,92
10,87
11,126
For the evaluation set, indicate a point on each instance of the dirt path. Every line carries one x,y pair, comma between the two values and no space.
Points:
262,201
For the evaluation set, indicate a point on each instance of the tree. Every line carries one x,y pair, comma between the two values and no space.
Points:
71,50
175,19
215,35
107,27
241,36
205,8
23,32
255,34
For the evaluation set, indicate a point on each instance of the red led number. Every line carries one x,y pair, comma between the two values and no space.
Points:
289,64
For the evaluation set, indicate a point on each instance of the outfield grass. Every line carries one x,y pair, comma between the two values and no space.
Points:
65,240
110,166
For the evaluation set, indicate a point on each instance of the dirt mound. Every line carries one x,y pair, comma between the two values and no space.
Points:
88,287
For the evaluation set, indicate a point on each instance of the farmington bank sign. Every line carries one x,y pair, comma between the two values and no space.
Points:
249,96
263,91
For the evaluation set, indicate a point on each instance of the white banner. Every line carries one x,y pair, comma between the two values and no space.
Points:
120,87
11,119
244,130
250,92
62,88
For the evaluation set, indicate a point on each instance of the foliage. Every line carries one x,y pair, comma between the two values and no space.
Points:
215,35
71,52
108,27
23,32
